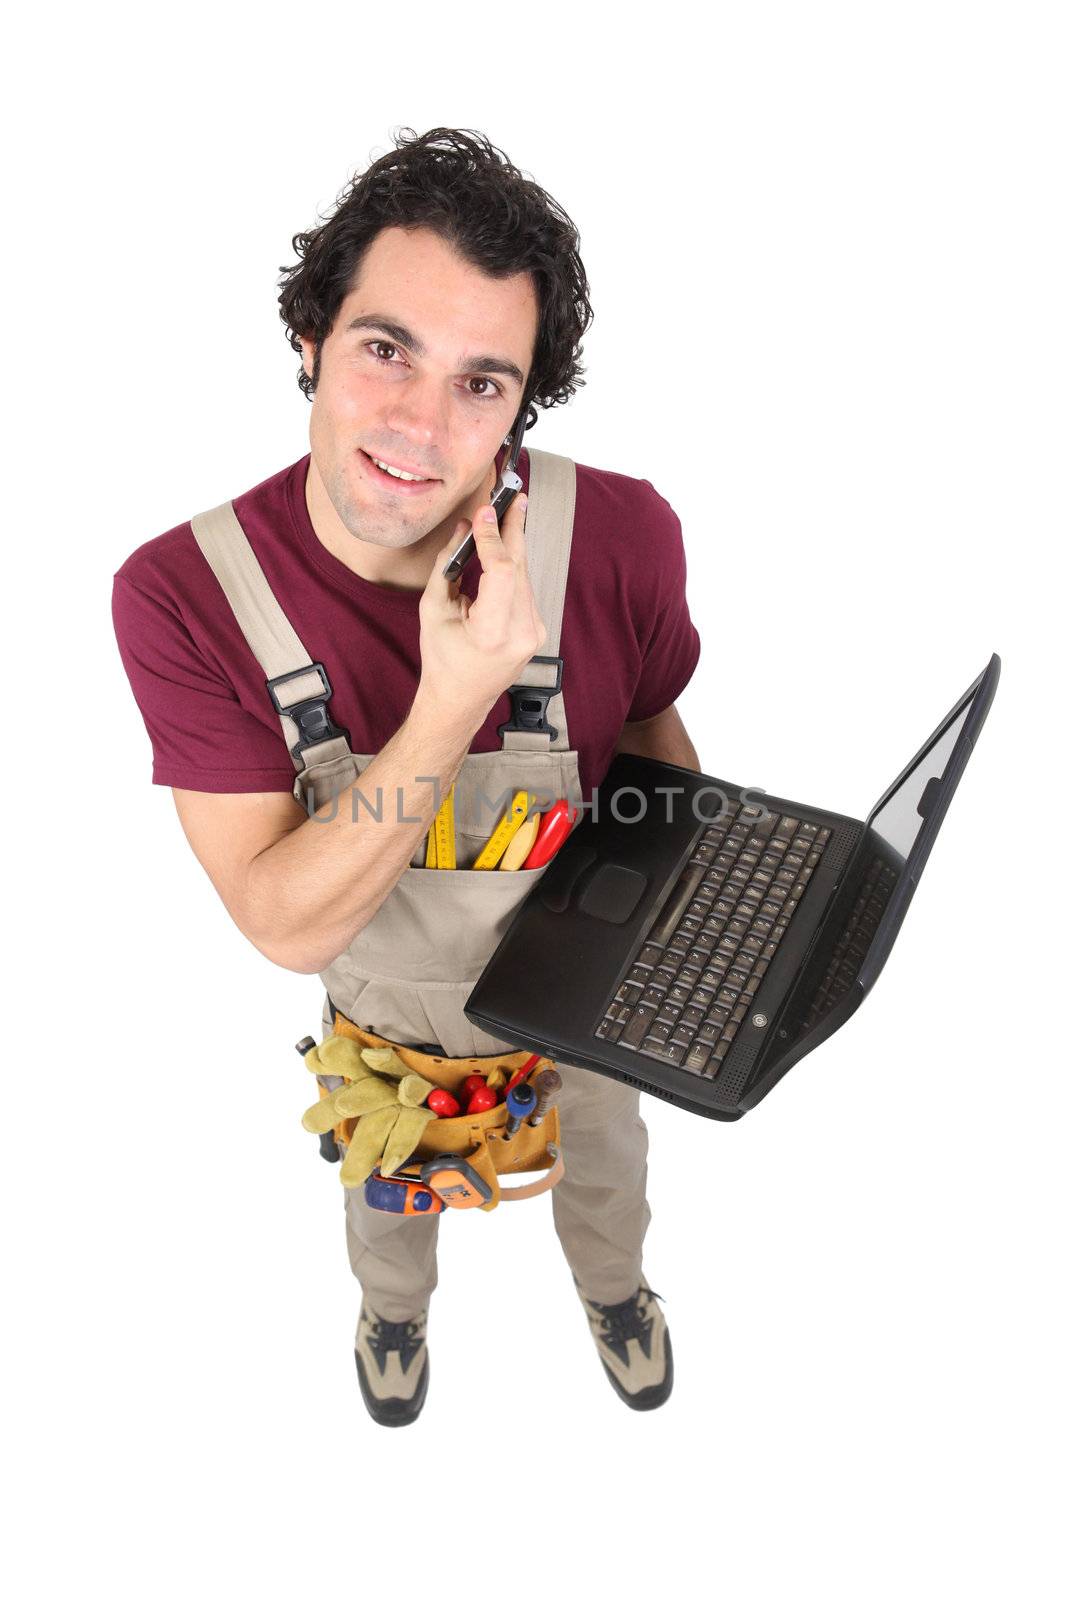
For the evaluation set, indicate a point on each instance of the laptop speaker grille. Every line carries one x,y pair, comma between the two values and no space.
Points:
841,845
646,1087
737,1068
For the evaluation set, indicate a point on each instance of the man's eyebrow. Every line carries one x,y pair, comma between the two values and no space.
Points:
401,335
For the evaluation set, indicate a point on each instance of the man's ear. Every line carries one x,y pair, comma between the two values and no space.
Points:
307,354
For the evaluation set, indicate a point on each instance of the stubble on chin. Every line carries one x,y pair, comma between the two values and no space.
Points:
395,530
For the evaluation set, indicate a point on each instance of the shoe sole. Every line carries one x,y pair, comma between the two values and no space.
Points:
393,1413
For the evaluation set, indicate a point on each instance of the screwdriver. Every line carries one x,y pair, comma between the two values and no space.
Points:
521,1100
547,1084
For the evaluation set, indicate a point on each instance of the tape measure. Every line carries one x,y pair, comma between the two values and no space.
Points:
441,839
504,832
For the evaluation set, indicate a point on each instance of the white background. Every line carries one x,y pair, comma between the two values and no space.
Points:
827,263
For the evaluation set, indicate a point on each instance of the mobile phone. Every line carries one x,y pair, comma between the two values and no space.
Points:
508,486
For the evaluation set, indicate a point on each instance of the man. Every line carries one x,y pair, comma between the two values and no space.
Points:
441,300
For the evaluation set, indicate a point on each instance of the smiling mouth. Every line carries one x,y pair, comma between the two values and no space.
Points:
394,474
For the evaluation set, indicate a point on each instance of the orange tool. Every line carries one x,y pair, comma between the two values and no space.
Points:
456,1182
406,1197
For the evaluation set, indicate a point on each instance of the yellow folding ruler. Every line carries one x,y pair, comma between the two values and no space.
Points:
441,839
505,830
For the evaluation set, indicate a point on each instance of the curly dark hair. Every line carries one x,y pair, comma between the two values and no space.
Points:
456,182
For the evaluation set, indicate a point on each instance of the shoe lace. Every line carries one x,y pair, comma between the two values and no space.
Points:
627,1319
404,1337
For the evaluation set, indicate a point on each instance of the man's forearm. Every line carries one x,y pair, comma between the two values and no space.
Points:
314,890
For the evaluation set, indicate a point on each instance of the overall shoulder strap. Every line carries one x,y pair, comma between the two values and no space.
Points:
298,686
537,700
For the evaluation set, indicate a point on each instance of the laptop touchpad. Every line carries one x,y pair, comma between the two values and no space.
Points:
612,892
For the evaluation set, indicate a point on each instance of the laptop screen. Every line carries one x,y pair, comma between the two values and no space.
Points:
903,826
906,820
896,818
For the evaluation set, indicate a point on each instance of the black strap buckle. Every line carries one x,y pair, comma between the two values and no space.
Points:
529,703
311,716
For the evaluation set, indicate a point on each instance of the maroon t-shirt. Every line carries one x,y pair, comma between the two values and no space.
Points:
628,644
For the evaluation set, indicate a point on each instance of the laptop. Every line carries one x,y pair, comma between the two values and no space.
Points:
698,943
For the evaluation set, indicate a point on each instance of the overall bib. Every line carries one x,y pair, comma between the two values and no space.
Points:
407,975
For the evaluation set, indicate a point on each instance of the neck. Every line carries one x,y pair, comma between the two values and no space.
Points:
407,567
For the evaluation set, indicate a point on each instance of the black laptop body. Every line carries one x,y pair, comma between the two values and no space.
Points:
575,976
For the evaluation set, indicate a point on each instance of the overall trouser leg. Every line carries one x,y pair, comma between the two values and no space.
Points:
599,1207
394,1257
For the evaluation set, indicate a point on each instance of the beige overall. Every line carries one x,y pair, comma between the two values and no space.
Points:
407,975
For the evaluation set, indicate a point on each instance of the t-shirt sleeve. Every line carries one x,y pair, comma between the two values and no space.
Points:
672,650
202,736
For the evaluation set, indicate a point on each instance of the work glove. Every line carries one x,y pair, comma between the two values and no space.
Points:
380,1091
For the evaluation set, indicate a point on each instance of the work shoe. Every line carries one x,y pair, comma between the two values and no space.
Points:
393,1366
634,1345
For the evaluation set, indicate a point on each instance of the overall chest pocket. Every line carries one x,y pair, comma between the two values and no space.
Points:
486,783
484,787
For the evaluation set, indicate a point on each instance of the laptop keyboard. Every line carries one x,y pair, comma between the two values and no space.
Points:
855,940
705,956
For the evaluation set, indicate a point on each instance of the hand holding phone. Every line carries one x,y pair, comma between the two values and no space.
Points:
507,488
472,649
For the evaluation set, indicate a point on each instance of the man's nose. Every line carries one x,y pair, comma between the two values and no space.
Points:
418,414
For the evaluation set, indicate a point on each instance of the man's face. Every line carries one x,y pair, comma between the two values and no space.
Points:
429,382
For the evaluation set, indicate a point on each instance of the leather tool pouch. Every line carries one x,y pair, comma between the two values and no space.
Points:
479,1139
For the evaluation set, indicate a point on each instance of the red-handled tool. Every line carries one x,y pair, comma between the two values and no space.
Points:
527,1067
556,824
442,1104
483,1099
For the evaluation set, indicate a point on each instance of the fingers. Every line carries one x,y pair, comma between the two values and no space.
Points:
440,591
504,588
493,538
487,536
496,546
513,530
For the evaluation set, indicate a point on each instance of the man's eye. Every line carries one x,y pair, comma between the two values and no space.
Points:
481,396
377,345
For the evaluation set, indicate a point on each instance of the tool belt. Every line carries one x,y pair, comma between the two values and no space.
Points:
459,1160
